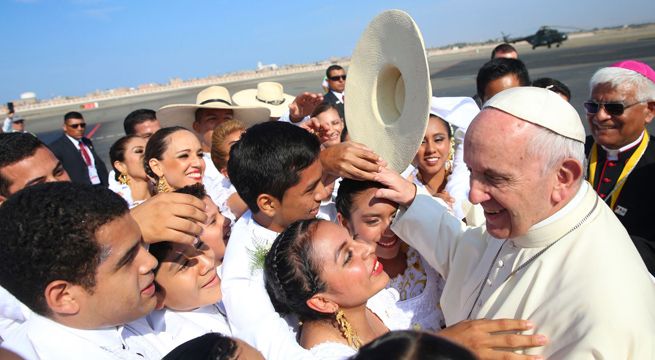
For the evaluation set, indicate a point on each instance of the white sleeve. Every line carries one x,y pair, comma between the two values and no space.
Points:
458,182
428,227
249,310
286,118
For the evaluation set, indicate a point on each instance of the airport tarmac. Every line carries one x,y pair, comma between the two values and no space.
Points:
451,75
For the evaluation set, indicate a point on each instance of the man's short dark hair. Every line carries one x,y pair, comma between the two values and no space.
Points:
137,117
497,68
553,85
332,68
211,346
49,233
73,115
15,147
503,49
268,160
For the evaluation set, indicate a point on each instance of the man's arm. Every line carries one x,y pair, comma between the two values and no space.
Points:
423,221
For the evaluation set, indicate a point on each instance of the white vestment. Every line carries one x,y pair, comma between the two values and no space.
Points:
589,293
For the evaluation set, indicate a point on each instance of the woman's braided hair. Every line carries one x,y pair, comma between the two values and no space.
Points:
291,275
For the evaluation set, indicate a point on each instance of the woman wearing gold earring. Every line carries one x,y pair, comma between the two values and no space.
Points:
173,159
126,156
334,284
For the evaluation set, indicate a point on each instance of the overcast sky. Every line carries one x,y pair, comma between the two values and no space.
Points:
71,47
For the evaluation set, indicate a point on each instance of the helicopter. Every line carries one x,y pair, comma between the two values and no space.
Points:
545,36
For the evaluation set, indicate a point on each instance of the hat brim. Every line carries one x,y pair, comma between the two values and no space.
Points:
185,114
388,90
248,97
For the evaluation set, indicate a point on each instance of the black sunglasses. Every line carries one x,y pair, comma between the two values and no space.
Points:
336,78
75,126
614,108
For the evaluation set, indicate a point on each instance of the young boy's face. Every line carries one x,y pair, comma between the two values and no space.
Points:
187,277
216,231
302,201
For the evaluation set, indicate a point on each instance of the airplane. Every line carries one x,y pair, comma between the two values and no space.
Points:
545,36
261,66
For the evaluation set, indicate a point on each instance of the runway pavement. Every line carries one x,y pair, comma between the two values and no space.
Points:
451,75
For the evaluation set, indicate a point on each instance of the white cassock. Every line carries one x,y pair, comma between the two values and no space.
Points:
589,293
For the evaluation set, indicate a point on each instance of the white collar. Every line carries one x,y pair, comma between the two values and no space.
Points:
577,199
74,141
339,95
613,154
107,339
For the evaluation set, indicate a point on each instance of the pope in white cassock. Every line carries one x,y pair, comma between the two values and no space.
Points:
551,252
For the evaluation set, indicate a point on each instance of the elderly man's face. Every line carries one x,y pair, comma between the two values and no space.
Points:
616,131
509,184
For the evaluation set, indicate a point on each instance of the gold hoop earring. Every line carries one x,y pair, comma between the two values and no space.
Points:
123,179
347,330
162,185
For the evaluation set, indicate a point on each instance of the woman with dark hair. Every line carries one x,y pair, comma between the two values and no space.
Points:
174,159
412,345
418,284
334,284
331,124
433,160
126,156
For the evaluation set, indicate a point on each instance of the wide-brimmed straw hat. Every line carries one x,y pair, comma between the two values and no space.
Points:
388,89
268,94
213,97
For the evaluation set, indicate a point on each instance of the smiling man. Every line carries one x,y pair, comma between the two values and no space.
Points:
73,254
621,152
551,252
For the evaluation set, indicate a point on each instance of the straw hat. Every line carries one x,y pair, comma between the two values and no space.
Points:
213,97
388,89
268,94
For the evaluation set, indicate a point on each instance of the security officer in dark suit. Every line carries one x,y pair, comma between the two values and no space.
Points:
336,78
620,152
76,153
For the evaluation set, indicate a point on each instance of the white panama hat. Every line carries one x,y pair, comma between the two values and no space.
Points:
388,90
268,94
213,97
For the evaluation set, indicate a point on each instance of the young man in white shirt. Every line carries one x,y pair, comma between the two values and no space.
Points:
73,254
276,170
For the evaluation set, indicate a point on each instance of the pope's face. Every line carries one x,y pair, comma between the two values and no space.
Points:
616,131
505,180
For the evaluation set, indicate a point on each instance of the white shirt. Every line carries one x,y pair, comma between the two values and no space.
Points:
12,313
93,172
338,95
589,293
42,338
249,310
166,329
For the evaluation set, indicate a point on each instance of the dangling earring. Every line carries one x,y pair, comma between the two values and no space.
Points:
451,155
347,330
162,185
123,179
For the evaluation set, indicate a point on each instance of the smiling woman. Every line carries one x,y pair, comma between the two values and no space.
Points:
334,284
173,158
